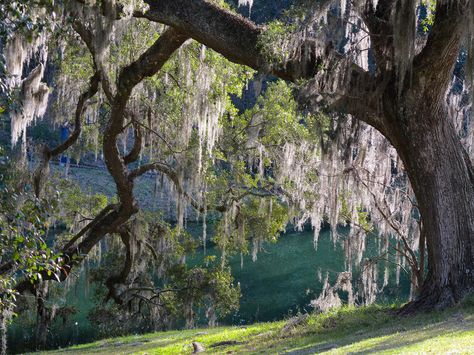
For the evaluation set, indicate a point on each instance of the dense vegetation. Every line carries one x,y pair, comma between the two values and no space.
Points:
352,116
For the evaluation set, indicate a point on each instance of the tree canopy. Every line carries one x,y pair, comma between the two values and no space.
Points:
347,113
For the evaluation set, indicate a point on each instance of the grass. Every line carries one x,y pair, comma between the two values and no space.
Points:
373,329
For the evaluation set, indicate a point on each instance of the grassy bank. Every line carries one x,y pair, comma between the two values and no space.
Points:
347,330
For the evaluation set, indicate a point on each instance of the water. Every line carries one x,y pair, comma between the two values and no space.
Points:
284,279
281,282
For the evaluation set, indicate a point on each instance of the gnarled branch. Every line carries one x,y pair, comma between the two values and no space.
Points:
49,154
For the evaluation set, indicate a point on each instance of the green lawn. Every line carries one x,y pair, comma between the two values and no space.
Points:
348,330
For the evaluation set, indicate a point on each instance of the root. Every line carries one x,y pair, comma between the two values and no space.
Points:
432,299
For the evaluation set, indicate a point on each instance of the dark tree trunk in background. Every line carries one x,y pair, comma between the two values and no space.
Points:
44,315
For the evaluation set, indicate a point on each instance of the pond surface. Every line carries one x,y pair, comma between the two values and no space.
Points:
283,280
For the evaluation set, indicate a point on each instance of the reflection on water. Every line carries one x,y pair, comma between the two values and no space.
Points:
283,280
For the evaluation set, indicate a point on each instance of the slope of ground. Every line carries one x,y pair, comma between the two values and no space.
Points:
347,330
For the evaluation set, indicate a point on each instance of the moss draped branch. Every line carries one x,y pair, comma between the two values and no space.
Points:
48,154
114,216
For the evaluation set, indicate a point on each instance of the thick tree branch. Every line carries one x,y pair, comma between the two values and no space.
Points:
239,40
72,254
70,244
235,37
433,66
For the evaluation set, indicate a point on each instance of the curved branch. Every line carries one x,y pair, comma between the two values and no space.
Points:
86,95
111,218
435,63
134,153
49,154
235,37
148,64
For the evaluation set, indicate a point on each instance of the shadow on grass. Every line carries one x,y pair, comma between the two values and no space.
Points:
363,330
399,336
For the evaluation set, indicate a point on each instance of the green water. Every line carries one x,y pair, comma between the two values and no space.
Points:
284,278
280,282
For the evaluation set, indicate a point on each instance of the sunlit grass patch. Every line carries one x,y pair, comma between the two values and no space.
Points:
374,329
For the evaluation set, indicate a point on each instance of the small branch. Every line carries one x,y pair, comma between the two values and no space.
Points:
87,37
171,174
168,145
134,154
48,154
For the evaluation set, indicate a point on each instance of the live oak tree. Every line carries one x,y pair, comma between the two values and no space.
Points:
402,94
404,98
170,146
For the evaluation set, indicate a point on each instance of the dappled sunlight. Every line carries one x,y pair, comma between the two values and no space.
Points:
347,330
228,162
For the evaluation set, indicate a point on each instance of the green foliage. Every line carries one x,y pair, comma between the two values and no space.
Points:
42,133
21,16
75,62
275,117
169,287
279,112
363,216
256,219
74,202
427,22
320,126
24,224
128,49
205,286
254,214
273,41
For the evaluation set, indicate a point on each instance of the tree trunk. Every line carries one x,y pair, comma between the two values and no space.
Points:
3,331
442,178
44,315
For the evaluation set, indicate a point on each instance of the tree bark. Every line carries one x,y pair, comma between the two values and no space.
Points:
442,178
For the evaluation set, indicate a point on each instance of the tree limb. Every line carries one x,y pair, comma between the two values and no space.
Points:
134,153
433,66
48,154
